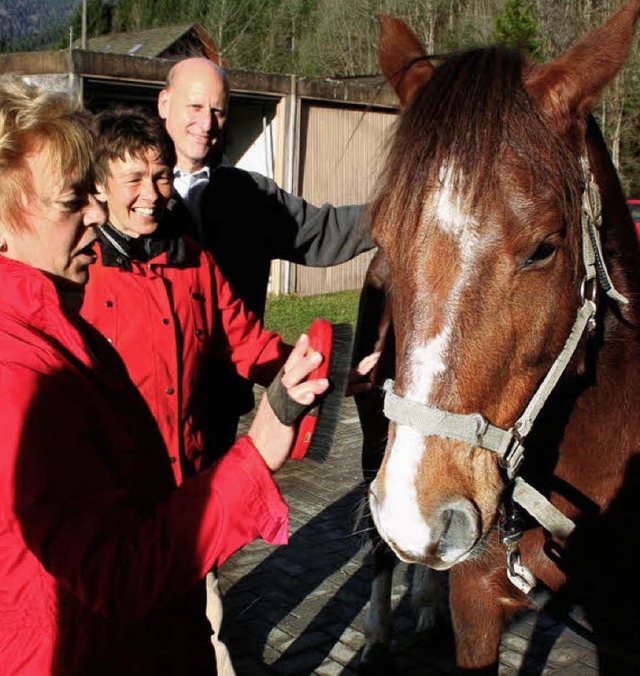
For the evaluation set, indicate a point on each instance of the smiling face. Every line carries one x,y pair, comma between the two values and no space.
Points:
194,107
59,223
136,192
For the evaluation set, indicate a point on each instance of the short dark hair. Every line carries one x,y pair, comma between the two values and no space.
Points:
121,131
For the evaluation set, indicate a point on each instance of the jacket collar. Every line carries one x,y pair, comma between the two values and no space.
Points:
27,292
120,251
30,298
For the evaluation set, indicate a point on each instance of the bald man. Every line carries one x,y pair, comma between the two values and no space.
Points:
194,106
243,218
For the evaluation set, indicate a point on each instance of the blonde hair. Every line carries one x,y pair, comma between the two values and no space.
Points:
32,119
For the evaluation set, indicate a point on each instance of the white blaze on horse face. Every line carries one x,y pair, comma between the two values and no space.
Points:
399,517
425,363
451,216
410,532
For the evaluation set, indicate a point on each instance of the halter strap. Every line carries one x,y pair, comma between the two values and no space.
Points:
594,264
474,428
470,428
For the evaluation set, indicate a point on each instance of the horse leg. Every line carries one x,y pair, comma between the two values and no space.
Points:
378,622
430,603
371,335
376,657
480,602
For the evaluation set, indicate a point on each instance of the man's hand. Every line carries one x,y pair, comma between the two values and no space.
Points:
360,379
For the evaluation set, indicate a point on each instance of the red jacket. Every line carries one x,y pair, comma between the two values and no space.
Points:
101,558
165,317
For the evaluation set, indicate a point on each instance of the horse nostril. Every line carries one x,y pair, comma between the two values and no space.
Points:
459,523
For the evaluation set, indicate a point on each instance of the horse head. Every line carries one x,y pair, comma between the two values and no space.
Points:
478,214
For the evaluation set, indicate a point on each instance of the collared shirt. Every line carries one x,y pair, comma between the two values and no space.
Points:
190,187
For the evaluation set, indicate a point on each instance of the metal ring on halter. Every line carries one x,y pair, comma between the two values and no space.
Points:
518,573
583,289
591,325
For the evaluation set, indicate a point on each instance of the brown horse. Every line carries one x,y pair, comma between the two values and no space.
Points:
509,262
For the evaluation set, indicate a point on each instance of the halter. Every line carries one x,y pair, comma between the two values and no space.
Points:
508,444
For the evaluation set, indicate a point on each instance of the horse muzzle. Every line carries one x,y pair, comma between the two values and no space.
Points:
446,536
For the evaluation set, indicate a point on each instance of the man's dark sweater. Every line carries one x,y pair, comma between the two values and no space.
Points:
246,222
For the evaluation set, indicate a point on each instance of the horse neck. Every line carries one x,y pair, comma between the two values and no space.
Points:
591,424
619,235
621,346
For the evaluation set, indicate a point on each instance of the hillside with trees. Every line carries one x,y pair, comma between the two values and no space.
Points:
31,24
322,38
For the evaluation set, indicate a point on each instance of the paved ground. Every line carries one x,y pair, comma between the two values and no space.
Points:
300,609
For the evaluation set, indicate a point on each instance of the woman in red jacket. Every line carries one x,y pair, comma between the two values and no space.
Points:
163,304
102,557
160,299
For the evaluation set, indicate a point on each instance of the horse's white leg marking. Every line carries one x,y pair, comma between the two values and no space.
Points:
377,624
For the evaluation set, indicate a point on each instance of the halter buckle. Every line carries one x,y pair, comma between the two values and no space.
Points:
588,289
514,454
482,425
510,531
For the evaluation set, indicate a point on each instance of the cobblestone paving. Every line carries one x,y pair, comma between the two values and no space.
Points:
300,609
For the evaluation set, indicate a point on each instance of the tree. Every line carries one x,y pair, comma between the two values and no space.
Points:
516,27
339,37
99,20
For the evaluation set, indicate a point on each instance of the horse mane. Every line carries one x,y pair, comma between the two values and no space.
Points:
472,108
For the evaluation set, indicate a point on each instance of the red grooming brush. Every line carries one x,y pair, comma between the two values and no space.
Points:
317,428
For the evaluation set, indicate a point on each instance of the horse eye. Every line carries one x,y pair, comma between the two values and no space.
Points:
541,255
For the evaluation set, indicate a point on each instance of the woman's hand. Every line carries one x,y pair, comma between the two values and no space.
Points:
273,439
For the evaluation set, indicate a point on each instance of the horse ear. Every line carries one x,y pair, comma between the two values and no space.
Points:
568,86
402,58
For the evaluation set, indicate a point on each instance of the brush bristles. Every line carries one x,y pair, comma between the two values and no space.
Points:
330,406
